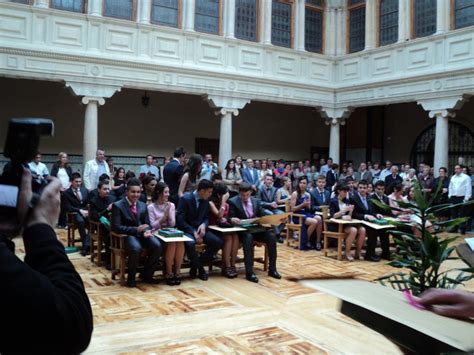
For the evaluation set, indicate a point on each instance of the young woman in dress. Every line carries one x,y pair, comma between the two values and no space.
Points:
312,224
63,172
284,193
340,208
191,174
162,215
149,183
232,177
219,209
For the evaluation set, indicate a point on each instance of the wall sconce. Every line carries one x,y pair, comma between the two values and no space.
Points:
145,100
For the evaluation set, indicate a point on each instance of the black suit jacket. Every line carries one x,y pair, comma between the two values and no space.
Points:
390,181
359,208
98,206
318,201
330,180
334,206
55,169
172,173
45,308
377,209
72,203
189,217
124,222
266,200
236,208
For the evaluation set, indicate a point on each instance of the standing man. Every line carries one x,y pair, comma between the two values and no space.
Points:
363,173
94,169
392,179
209,168
250,176
172,173
459,191
332,176
38,169
149,169
130,217
386,172
326,167
244,206
76,198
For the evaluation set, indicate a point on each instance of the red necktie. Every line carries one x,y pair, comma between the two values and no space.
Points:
133,209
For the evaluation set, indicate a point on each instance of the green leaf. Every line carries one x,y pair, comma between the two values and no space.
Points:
452,223
419,198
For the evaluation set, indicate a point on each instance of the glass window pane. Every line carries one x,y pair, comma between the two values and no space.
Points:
207,16
357,30
388,29
68,5
464,13
313,39
165,12
27,2
315,2
425,18
246,19
119,9
281,24
355,2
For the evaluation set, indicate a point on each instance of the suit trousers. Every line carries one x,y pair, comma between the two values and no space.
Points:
213,244
81,226
134,246
458,212
372,242
268,238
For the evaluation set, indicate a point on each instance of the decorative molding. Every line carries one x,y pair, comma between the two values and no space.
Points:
88,99
334,116
443,106
226,103
91,91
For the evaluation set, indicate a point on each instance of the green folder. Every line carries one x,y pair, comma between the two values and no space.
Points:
170,232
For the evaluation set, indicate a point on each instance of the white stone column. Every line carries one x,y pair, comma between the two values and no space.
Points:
334,139
225,135
189,9
267,22
90,126
370,21
229,18
144,11
441,149
41,3
95,7
300,25
404,16
443,16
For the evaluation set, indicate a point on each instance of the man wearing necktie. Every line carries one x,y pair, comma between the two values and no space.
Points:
130,217
267,196
320,196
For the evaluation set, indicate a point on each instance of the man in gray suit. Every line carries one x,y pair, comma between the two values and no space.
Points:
363,173
267,196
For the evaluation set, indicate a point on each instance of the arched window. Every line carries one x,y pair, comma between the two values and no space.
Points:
463,13
246,19
123,9
69,5
388,22
166,12
424,15
356,23
313,25
282,23
208,16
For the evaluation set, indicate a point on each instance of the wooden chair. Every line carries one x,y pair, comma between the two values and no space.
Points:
71,229
264,261
96,239
291,226
340,235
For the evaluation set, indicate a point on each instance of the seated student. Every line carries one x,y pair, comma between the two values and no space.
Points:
349,181
219,211
364,210
379,194
320,196
301,203
267,196
244,206
149,183
76,198
101,206
250,176
340,208
283,194
162,215
130,217
193,219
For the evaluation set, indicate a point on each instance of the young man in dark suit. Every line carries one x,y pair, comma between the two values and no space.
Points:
320,196
101,206
244,206
332,176
379,195
172,173
364,210
192,219
267,196
130,217
76,199
250,176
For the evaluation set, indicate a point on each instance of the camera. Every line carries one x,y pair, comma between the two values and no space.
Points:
21,146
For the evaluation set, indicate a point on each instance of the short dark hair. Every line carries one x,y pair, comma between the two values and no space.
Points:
104,177
397,187
363,182
205,184
75,176
101,184
245,187
348,179
268,175
133,182
129,175
149,155
322,177
444,169
334,166
380,183
340,187
217,176
179,152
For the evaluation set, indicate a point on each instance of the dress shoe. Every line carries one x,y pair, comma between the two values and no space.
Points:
193,273
372,258
280,240
177,279
131,283
252,277
170,279
318,246
275,274
233,271
202,274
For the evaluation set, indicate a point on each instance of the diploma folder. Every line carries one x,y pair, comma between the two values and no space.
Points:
170,232
386,311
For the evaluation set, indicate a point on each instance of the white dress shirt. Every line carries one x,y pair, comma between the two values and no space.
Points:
460,185
38,168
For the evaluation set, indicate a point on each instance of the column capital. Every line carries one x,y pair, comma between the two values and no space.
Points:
224,111
443,105
87,99
92,90
333,116
441,113
226,102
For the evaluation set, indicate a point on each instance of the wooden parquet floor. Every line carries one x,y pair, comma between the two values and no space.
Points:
231,316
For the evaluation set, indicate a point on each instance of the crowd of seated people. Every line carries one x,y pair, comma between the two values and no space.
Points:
193,193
